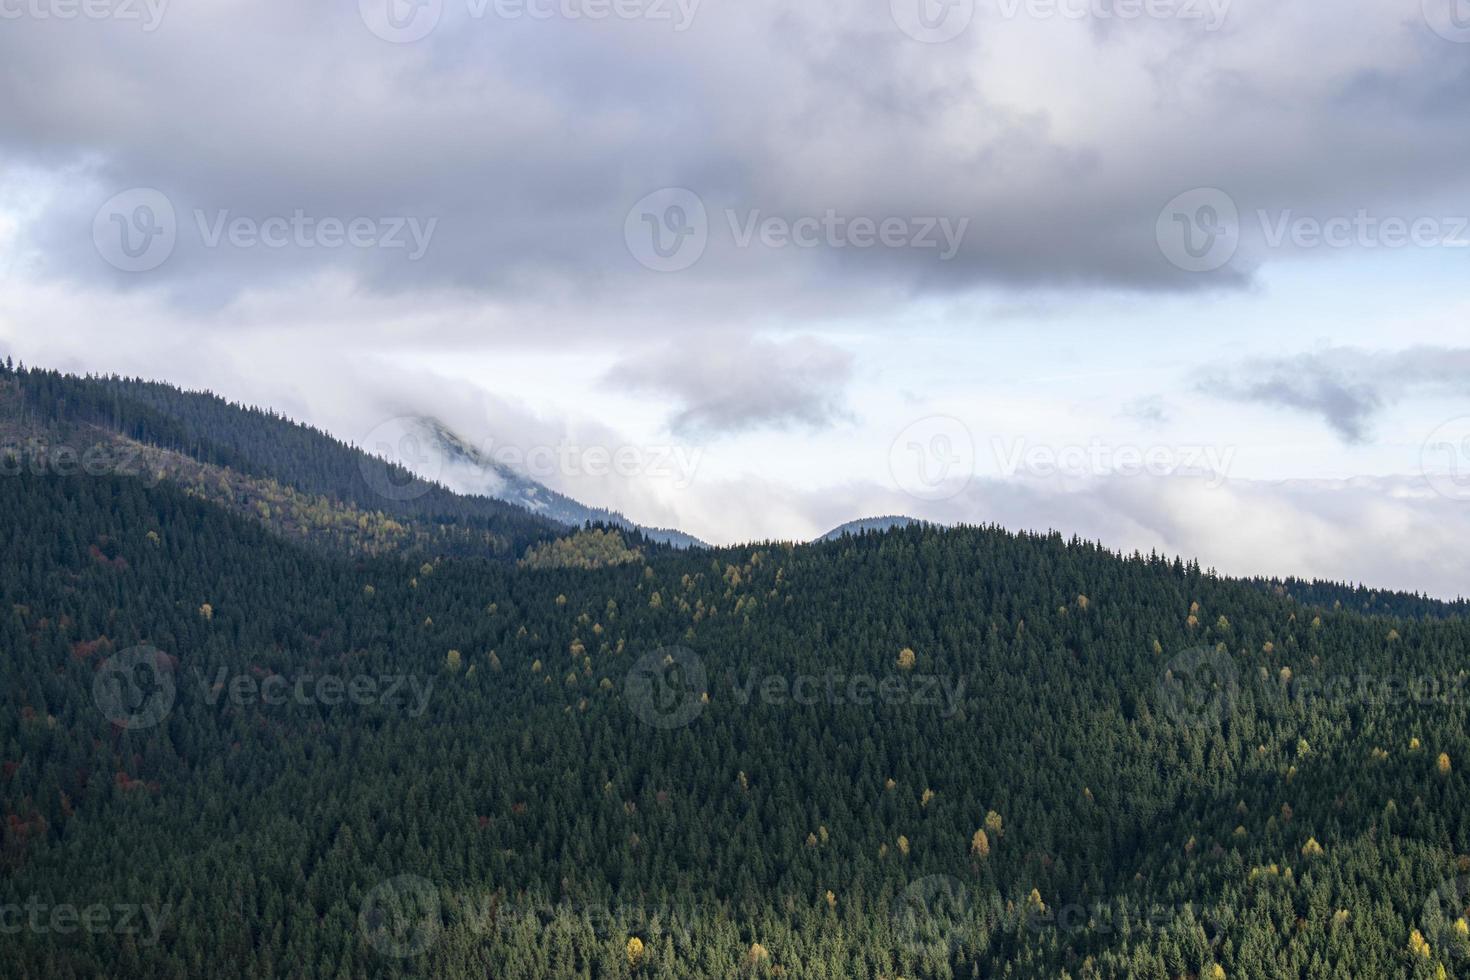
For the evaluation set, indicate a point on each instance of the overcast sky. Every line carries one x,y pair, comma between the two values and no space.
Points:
1176,274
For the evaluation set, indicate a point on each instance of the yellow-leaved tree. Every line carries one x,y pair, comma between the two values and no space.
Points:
634,950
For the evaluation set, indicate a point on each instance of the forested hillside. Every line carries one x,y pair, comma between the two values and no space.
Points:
1361,598
298,479
228,751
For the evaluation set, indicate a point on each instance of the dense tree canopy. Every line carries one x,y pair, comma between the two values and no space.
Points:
921,753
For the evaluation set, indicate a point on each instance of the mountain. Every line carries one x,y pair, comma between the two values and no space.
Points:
868,525
301,481
467,467
240,746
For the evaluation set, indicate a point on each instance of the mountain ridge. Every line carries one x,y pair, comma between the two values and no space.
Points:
869,525
521,490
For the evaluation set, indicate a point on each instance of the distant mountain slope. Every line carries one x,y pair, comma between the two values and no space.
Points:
253,459
271,461
503,483
868,525
1362,599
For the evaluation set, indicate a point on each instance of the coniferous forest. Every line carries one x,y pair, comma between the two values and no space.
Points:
260,717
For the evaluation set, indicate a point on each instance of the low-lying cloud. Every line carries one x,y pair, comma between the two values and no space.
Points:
731,385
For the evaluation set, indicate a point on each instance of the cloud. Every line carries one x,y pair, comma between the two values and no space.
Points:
1306,384
1151,411
529,139
1346,386
734,385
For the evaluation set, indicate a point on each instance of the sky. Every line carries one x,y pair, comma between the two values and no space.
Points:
1182,275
